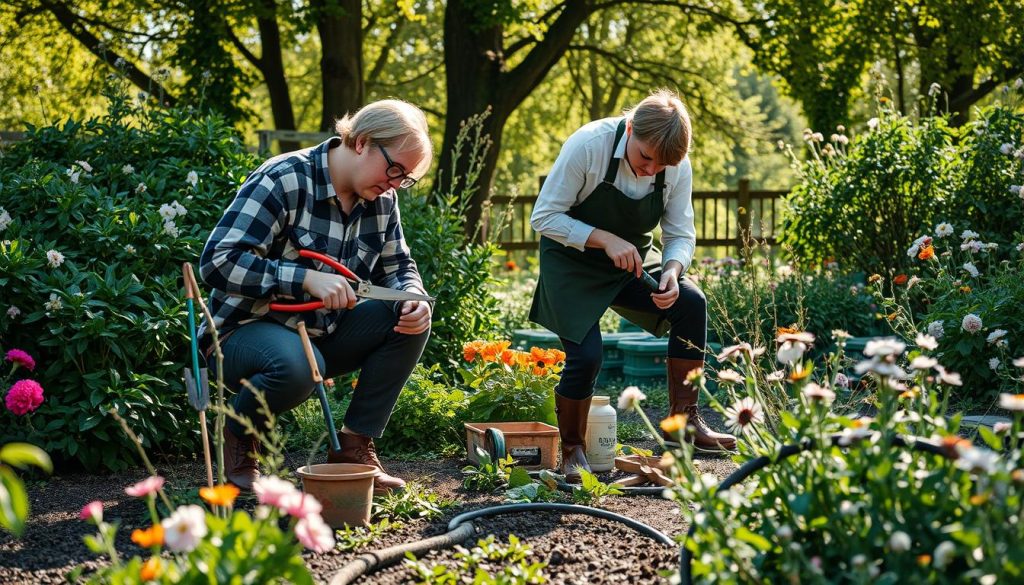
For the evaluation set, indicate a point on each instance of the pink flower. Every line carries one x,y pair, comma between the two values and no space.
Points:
270,490
314,534
21,358
299,504
24,397
92,511
150,485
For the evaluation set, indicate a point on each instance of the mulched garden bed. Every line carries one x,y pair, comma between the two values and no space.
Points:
578,549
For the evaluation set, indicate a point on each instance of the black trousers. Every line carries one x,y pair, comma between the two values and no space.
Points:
687,337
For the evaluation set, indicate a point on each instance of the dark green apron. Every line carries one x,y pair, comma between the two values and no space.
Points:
575,288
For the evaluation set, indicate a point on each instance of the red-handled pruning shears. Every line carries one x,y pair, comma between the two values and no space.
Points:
362,288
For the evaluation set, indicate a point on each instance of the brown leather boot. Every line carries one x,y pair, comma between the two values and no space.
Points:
240,465
572,426
682,397
360,449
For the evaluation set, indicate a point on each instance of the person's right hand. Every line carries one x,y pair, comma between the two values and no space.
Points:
333,289
622,253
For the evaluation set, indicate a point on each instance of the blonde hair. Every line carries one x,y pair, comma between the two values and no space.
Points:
661,120
390,123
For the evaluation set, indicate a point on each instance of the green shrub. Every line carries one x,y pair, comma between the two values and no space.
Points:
427,418
940,297
106,317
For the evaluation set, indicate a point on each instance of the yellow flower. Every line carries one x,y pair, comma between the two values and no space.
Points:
892,316
797,375
965,289
150,537
674,423
979,499
150,569
221,495
924,560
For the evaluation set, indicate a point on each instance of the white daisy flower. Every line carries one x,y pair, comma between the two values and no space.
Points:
944,230
192,178
629,398
167,212
925,341
884,347
949,378
923,362
730,376
129,249
741,416
815,392
185,528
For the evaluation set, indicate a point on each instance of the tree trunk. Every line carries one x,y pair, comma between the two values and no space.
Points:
339,24
271,66
477,79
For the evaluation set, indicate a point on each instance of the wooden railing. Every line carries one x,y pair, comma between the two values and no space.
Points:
721,218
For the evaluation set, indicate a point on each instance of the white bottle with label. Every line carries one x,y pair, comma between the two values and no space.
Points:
601,434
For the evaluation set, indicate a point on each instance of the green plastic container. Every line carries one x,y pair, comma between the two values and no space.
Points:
644,359
613,359
524,339
627,326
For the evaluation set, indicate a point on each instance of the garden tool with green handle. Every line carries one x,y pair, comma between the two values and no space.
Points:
320,392
197,383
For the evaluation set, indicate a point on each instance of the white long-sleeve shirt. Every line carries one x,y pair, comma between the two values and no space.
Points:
580,168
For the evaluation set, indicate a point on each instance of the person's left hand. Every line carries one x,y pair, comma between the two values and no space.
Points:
669,286
413,317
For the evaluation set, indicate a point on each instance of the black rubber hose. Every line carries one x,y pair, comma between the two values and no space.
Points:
640,527
371,561
748,469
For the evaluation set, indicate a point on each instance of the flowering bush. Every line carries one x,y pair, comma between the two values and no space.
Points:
511,385
862,199
427,407
96,219
899,496
193,544
969,301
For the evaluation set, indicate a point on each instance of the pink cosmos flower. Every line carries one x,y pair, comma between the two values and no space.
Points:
24,397
150,485
299,504
270,490
314,534
21,358
92,511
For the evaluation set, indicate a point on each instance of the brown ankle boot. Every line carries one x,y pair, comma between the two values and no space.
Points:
240,466
572,426
360,449
683,400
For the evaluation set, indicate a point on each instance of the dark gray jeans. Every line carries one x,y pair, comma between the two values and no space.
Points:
271,357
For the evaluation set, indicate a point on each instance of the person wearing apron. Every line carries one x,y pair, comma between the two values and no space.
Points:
613,182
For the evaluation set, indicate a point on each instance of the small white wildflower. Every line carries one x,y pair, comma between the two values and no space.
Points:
167,212
936,329
971,269
859,560
741,416
944,554
884,347
127,169
185,528
629,397
730,376
13,311
880,366
791,351
873,123
934,89
5,219
925,341
784,532
923,362
972,246
913,280
54,258
192,178
170,229
1006,148
950,378
140,189
1002,427
73,175
784,271
54,304
179,209
995,335
779,375
993,364
971,323
814,392
978,460
968,235
1020,247
944,230
129,249
85,165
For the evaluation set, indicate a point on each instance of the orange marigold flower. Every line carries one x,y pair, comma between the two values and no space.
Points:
674,423
979,499
883,100
511,265
900,279
539,371
924,560
965,289
492,351
926,253
508,357
150,537
874,278
151,569
471,349
221,495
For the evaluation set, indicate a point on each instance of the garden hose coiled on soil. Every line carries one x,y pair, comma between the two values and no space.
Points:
461,528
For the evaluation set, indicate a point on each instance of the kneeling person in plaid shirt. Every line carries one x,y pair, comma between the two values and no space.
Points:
338,199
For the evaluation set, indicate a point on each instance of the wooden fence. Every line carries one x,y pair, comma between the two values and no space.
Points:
721,218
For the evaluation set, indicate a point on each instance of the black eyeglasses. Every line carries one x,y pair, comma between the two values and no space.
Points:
397,171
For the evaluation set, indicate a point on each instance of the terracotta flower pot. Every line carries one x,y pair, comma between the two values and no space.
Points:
344,489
